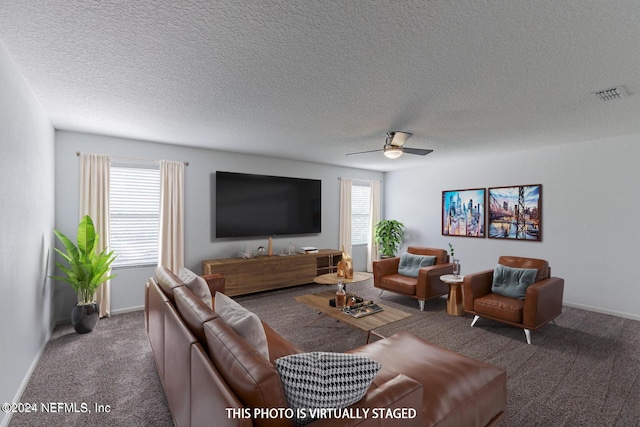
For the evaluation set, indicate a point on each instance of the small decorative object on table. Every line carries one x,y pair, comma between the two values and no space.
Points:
347,264
341,296
362,309
454,261
456,267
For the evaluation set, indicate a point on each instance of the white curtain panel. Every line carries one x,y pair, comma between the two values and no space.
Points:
171,250
94,201
345,214
372,248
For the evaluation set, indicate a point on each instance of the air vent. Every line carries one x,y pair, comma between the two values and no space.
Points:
612,94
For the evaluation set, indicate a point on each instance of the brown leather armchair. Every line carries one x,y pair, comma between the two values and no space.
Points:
542,302
424,287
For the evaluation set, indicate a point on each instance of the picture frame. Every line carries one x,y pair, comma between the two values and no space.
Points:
464,212
515,212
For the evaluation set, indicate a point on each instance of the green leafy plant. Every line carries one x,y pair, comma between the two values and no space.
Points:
388,235
87,269
451,250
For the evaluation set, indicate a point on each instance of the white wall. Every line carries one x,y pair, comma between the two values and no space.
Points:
127,288
590,206
26,231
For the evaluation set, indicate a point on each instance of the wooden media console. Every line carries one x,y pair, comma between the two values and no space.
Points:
263,273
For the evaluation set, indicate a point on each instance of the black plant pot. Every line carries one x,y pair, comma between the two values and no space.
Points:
84,317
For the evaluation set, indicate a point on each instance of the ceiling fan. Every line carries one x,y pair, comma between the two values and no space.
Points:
394,146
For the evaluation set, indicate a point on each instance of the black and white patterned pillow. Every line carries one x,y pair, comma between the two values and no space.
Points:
325,380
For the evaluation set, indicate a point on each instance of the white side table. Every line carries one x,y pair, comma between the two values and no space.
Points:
454,301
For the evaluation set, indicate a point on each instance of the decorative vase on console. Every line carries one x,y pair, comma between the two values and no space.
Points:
340,268
348,264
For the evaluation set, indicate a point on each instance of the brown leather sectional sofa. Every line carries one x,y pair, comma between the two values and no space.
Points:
213,377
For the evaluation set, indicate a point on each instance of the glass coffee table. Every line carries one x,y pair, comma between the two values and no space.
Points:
320,302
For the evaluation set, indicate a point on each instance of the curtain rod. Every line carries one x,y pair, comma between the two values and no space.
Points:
134,158
356,179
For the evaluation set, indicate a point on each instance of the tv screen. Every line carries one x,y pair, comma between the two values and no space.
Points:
258,205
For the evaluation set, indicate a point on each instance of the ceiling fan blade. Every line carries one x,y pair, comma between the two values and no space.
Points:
398,138
418,151
363,152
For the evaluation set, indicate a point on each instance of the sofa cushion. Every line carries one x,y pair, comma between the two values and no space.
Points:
411,264
325,380
458,390
400,284
251,377
167,281
196,284
512,282
244,322
500,307
193,312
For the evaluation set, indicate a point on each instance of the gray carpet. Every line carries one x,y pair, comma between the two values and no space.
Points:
584,371
112,365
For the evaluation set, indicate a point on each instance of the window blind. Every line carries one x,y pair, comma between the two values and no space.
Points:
135,214
360,200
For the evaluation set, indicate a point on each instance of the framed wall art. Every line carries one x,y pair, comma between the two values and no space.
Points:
463,212
516,212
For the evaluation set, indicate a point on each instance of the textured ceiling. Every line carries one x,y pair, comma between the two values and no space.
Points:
315,80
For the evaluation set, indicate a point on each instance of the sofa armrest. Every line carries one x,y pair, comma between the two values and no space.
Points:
399,392
278,345
474,286
429,280
542,302
216,283
384,267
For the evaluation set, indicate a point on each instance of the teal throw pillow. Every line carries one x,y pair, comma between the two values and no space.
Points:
511,281
411,264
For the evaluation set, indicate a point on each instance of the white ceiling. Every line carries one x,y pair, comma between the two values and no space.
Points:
315,80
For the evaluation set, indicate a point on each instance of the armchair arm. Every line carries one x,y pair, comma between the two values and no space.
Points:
542,302
399,392
215,282
475,286
384,267
429,282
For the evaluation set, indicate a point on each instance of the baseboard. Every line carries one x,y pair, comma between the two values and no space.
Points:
603,311
67,320
7,419
127,310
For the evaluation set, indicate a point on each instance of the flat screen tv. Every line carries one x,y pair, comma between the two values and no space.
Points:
250,205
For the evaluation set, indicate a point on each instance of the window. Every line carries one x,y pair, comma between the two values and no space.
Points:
360,213
135,214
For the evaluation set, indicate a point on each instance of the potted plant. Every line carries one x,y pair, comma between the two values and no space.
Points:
388,235
87,269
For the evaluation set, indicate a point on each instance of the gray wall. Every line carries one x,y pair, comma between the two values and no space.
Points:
590,204
127,288
26,231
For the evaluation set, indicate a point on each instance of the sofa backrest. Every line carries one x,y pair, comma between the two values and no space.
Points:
544,271
440,254
193,311
167,281
252,378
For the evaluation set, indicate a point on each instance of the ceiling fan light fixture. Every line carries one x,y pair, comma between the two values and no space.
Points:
392,152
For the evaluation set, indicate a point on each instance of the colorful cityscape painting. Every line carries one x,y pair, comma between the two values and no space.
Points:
515,212
463,213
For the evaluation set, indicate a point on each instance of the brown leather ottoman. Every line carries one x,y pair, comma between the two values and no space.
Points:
458,390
